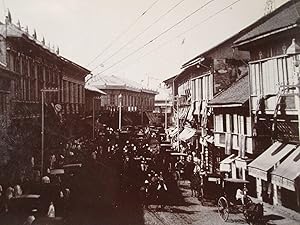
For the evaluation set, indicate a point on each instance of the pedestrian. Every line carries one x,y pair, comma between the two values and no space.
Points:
51,211
17,191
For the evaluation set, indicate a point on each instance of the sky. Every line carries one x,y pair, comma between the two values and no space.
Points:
142,40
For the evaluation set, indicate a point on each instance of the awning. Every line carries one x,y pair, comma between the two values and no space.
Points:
260,166
151,117
186,134
225,164
287,172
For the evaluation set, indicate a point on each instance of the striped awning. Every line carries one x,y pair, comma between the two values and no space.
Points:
261,166
288,171
151,117
183,112
225,164
186,134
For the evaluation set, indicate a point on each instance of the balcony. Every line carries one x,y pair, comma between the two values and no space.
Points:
268,76
222,139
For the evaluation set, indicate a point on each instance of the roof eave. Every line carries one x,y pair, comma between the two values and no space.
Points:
255,38
228,105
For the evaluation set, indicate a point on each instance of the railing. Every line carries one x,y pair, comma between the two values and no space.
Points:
266,77
220,141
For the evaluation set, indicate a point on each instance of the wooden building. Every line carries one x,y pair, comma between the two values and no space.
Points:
273,42
233,128
202,78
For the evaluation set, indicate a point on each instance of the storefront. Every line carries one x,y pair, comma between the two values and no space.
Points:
264,164
283,178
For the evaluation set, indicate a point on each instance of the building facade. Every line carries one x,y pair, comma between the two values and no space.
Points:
137,103
273,42
39,73
203,78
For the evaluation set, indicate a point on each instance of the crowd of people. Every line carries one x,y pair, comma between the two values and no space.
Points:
112,165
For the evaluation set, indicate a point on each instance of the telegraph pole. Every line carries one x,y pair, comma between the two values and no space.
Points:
120,111
43,91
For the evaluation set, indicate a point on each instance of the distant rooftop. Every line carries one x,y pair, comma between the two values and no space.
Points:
115,82
93,89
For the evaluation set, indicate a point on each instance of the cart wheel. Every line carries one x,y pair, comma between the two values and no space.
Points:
223,208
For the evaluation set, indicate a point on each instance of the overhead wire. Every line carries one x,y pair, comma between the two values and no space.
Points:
179,35
158,36
122,33
139,34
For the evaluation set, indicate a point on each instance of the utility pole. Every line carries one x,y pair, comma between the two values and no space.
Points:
166,116
120,111
142,111
43,91
93,117
178,122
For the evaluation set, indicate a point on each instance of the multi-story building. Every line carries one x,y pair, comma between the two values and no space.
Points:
273,42
202,78
233,130
40,67
137,103
6,77
39,72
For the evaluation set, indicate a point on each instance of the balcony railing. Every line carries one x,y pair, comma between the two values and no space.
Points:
267,76
235,142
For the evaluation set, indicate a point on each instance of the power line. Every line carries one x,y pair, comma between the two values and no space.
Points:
122,33
158,36
186,31
138,35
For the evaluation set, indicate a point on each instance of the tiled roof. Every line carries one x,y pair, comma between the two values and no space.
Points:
94,89
107,82
237,93
284,16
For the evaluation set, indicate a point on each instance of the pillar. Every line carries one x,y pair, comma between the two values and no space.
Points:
259,188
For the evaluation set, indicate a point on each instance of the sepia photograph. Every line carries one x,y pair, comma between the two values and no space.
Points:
149,112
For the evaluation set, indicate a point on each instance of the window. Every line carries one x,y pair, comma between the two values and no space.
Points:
235,124
224,122
219,123
71,91
112,99
66,91
3,103
17,66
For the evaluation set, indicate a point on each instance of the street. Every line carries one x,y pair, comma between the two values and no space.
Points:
192,212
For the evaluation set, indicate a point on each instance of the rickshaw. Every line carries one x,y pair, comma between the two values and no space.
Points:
228,202
211,187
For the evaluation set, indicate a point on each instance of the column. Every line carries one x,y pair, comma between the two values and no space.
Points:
259,188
